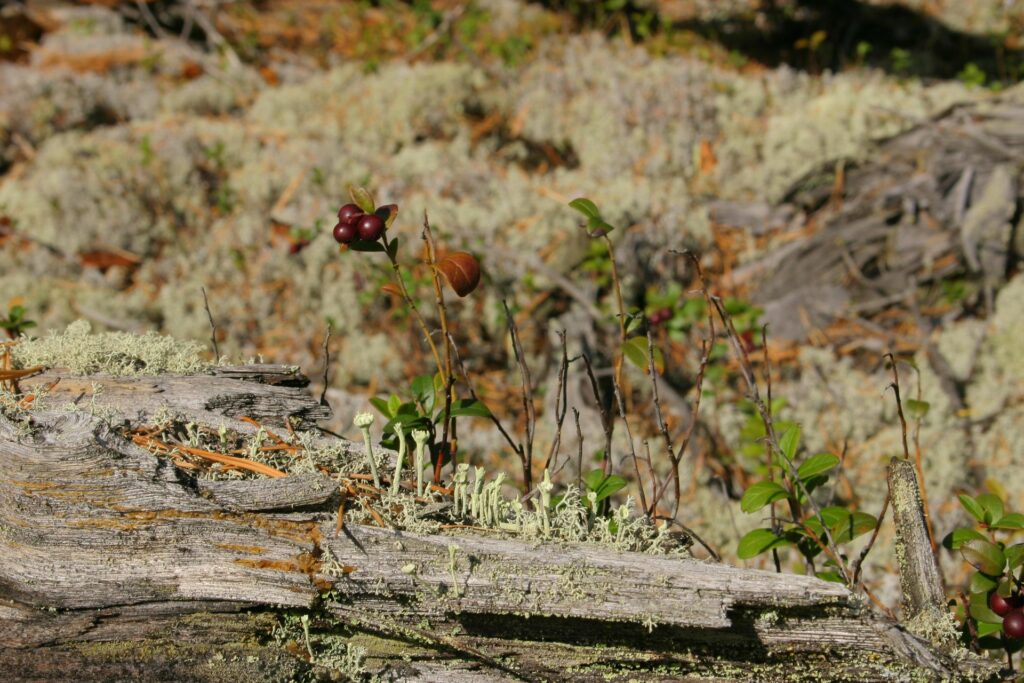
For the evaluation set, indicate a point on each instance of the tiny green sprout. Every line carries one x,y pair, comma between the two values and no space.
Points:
420,436
363,421
398,462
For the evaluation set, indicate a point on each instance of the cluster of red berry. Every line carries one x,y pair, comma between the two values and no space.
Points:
1011,609
660,316
354,224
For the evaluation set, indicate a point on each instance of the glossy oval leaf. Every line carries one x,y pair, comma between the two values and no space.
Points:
382,406
957,537
984,556
981,611
586,207
467,407
790,442
973,508
461,270
982,583
993,507
758,541
1013,520
760,494
817,464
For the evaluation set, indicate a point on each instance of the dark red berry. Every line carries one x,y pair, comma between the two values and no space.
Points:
345,233
348,213
1013,624
370,227
1000,605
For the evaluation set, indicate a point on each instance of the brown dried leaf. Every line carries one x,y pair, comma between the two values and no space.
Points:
462,271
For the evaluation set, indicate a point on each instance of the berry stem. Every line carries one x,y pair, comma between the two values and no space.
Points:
447,376
412,306
621,307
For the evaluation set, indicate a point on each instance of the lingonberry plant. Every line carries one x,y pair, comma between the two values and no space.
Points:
434,402
992,610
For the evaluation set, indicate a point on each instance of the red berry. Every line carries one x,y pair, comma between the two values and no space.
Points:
1013,624
370,227
1000,605
345,233
348,213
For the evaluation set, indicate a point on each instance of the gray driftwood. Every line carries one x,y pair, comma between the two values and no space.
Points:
941,200
116,565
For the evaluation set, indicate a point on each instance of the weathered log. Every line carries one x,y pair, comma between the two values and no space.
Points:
116,564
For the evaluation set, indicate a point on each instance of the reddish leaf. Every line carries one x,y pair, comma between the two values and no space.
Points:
462,271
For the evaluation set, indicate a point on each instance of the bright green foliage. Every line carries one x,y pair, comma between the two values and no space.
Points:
425,410
15,323
996,563
809,533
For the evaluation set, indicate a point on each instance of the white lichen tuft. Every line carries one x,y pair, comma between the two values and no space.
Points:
113,353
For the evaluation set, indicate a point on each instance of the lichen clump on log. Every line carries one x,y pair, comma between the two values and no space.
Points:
114,353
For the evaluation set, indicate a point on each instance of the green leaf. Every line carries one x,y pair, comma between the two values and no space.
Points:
982,582
916,410
958,537
790,442
364,245
984,556
636,349
758,541
1014,520
394,403
987,629
832,576
423,390
816,464
361,198
993,507
1014,555
601,485
382,406
469,407
760,494
972,507
586,207
392,248
598,228
857,524
981,611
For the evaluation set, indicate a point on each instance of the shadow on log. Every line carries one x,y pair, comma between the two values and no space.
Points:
117,565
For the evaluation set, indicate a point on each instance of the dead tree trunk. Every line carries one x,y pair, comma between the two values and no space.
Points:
115,565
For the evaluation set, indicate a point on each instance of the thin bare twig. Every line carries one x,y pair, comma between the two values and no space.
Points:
632,448
213,326
526,455
895,386
579,455
859,563
607,423
767,447
561,399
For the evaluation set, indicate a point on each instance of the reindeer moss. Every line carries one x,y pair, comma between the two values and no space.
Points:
115,353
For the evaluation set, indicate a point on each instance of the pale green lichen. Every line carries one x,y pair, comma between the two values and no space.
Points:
114,353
